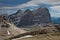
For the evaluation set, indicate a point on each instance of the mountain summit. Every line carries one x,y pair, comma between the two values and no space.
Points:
39,16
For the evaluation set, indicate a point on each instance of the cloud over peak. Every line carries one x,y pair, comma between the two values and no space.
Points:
52,5
27,3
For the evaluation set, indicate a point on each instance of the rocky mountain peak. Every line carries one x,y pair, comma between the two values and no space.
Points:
19,11
27,11
43,8
41,15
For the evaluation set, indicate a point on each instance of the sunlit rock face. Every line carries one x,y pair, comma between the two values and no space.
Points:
8,29
39,16
3,24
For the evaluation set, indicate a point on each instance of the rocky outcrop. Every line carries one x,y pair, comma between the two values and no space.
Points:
39,16
26,19
42,15
16,17
8,29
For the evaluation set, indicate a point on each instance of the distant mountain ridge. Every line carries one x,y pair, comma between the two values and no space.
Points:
41,15
56,20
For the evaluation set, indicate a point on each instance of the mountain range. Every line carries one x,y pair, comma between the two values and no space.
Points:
55,20
28,17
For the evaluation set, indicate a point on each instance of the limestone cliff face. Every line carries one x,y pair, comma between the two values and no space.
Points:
41,15
16,17
27,18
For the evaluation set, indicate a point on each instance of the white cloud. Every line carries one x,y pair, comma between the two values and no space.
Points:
55,8
33,3
56,12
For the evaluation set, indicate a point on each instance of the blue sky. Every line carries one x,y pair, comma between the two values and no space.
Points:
12,2
11,6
